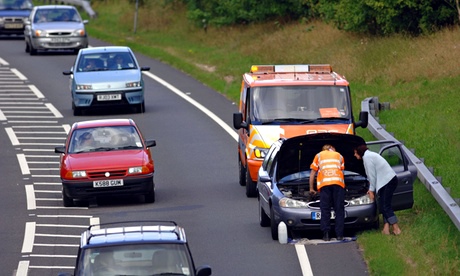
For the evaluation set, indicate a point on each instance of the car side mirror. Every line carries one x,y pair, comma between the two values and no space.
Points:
204,270
67,73
150,143
145,68
238,121
59,150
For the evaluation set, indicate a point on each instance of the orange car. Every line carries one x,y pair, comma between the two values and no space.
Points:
106,157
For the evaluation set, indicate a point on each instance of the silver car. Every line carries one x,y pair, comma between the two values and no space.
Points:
55,27
283,182
13,13
104,77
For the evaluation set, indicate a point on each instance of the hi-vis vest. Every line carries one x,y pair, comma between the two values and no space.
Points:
329,165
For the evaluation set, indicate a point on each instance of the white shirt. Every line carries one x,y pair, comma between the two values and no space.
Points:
378,171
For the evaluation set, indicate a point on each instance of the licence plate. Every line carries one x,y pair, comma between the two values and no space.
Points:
14,25
317,215
110,97
59,40
108,183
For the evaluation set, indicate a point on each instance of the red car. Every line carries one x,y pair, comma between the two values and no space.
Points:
106,157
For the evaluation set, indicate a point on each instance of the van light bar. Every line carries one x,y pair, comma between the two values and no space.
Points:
298,68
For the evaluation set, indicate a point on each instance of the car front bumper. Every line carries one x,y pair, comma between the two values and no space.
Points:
89,99
58,43
134,185
301,218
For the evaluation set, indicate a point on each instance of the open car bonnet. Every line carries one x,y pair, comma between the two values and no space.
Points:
296,154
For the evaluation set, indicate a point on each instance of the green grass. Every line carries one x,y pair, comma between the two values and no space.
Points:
419,77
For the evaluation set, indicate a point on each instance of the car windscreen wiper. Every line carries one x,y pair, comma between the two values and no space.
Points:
102,149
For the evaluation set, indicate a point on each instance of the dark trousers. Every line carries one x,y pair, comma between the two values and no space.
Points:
332,196
385,196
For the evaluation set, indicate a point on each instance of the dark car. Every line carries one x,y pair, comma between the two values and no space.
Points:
136,248
106,157
13,14
283,182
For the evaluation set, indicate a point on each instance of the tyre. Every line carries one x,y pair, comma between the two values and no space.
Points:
32,50
273,226
150,197
27,48
251,186
241,172
264,220
67,201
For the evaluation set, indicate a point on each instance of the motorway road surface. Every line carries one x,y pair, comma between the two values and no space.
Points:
196,176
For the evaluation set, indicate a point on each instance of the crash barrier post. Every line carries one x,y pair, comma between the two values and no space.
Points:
85,4
432,183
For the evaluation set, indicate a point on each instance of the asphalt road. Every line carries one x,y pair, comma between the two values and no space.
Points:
195,174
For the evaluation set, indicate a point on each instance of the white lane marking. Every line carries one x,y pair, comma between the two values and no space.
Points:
4,62
19,74
42,156
33,122
51,267
56,245
66,128
2,116
23,163
59,236
14,140
23,268
206,111
54,110
29,237
94,221
65,216
36,91
63,208
20,103
60,225
52,256
47,183
303,260
30,196
44,138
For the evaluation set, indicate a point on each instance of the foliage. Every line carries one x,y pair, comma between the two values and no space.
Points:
375,17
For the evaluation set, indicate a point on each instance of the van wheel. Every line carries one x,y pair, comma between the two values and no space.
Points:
241,172
150,197
251,186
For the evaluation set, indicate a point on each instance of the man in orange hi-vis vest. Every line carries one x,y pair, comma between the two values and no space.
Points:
330,183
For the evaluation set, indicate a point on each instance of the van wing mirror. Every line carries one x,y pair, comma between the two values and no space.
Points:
363,119
238,121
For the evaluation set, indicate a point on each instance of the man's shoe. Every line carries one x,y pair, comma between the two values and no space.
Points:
326,236
339,238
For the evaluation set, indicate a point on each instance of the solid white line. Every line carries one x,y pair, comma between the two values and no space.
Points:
44,175
30,196
56,245
21,103
18,99
303,260
24,107
61,225
44,138
47,183
42,156
31,117
48,199
47,192
52,256
63,208
44,169
47,127
41,132
14,140
36,91
29,236
38,144
23,268
27,112
206,111
40,150
51,267
54,110
2,116
23,163
65,216
19,74
58,236
95,221
34,122
40,162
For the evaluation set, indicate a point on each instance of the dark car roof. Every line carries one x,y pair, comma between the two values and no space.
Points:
297,153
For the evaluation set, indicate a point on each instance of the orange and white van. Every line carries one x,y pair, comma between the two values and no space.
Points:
282,101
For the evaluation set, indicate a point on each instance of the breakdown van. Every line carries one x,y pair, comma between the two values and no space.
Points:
282,101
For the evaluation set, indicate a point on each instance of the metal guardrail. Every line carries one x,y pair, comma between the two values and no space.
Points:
85,4
432,183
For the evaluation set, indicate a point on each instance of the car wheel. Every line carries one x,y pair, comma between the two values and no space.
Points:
32,50
67,201
150,197
273,225
241,172
251,186
264,220
76,111
27,48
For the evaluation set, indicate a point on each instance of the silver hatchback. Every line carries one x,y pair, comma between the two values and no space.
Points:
55,27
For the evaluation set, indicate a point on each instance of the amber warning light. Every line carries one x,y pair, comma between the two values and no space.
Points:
299,68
